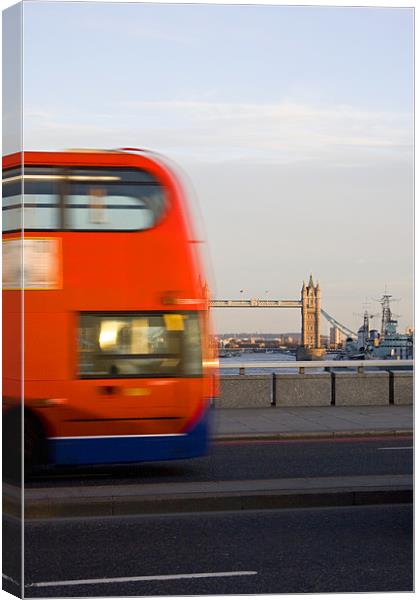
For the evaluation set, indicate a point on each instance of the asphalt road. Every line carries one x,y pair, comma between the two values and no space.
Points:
12,554
357,549
258,459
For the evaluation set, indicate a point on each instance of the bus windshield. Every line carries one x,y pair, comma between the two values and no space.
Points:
139,345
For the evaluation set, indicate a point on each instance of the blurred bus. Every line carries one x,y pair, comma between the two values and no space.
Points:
118,363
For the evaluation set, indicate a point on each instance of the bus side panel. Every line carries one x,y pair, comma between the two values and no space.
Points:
134,448
47,346
12,346
175,425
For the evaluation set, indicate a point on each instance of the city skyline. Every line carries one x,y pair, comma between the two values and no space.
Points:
297,141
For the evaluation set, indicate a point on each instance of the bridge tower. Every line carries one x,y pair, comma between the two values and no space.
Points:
311,315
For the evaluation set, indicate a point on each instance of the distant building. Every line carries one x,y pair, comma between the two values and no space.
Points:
325,341
335,337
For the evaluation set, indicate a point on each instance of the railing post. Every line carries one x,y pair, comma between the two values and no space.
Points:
241,370
361,369
273,390
301,370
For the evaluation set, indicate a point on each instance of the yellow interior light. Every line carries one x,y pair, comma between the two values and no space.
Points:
109,333
174,322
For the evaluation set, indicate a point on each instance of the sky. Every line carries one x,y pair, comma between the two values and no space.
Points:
294,125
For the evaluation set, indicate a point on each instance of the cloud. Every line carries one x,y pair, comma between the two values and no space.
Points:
203,130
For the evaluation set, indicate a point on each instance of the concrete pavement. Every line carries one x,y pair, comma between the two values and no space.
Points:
321,421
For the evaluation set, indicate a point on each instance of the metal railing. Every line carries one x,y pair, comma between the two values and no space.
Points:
302,365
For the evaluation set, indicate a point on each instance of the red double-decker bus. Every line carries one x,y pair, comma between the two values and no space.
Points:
114,360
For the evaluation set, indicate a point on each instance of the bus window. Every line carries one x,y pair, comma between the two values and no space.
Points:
35,201
112,200
140,345
107,200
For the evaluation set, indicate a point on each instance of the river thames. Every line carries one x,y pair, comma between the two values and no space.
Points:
257,357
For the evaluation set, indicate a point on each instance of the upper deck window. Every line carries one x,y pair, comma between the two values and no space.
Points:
30,201
81,199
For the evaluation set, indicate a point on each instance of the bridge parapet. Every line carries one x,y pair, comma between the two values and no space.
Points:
255,303
328,388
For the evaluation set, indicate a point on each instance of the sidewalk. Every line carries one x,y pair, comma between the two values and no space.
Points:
322,421
229,424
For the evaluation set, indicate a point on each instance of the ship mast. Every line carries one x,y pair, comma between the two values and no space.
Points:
389,323
386,312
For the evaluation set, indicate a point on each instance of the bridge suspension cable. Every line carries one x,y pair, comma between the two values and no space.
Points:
339,326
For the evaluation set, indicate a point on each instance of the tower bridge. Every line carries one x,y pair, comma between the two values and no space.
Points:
310,306
255,303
